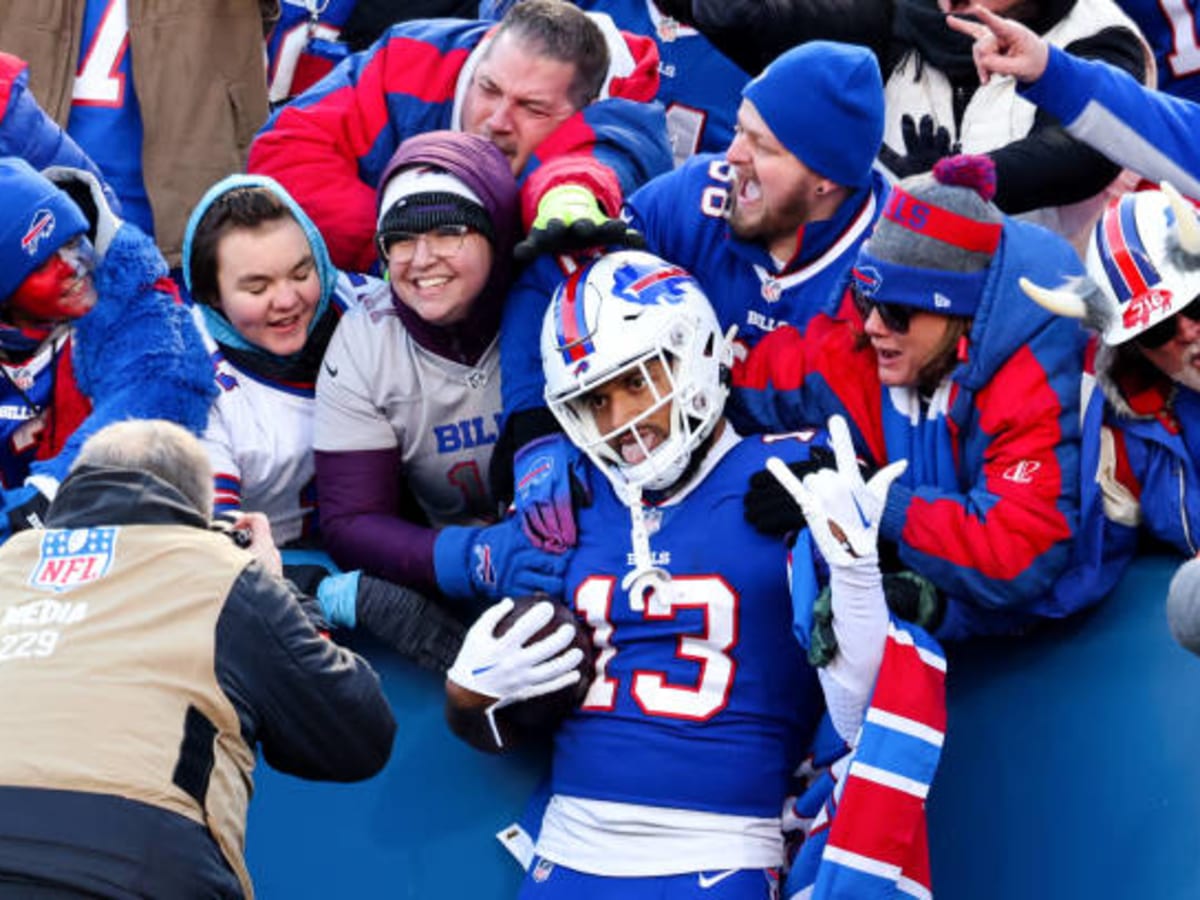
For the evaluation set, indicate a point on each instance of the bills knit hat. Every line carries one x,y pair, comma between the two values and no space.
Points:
824,102
935,239
449,178
39,218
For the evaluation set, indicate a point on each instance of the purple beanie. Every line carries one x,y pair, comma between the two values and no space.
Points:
484,170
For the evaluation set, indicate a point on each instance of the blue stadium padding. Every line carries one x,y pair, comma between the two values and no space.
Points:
1072,764
1071,771
423,828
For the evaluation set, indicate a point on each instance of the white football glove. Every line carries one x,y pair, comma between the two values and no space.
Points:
842,511
502,667
843,516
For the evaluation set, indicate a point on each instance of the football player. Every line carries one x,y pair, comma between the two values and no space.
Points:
669,779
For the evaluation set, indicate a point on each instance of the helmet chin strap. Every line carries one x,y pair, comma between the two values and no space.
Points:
649,586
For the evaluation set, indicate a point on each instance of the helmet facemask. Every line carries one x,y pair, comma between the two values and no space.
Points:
623,453
631,315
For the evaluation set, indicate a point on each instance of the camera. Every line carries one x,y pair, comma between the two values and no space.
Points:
240,536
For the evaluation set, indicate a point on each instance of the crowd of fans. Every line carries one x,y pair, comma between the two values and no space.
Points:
746,330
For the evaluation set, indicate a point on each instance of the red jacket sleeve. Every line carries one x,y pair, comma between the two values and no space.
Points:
1005,539
330,145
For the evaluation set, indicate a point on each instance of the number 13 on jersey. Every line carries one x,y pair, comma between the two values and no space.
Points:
708,649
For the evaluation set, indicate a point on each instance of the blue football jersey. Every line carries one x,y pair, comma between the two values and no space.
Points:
682,215
700,87
26,394
1169,27
304,45
702,699
105,120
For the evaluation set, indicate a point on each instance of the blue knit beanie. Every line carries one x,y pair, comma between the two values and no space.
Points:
824,102
38,219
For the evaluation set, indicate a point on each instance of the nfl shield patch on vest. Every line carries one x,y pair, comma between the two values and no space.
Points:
71,557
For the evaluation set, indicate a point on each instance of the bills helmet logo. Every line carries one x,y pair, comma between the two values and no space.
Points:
72,557
41,227
660,285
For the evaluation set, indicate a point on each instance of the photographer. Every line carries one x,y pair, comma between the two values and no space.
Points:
145,655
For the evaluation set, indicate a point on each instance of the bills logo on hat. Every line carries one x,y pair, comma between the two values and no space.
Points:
41,227
72,557
867,279
1141,308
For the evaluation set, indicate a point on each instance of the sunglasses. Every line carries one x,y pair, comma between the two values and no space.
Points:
896,316
1162,332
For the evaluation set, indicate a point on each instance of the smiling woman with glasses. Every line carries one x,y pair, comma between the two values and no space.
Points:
408,402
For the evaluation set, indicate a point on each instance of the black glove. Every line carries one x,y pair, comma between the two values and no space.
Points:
569,217
415,627
558,237
914,598
924,145
769,508
25,507
910,597
679,10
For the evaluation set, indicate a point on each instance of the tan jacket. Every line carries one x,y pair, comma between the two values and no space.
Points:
201,85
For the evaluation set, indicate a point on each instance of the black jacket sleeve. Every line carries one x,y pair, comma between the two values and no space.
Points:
1049,167
754,32
317,709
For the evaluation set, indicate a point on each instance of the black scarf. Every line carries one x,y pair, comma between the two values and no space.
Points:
299,369
920,25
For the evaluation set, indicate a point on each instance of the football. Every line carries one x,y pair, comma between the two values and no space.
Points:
532,718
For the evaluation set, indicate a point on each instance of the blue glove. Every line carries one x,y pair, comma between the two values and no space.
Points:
548,479
494,562
338,598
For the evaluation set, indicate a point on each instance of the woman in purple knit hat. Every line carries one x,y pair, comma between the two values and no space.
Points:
408,399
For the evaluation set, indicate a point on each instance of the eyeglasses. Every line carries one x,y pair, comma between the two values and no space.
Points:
443,242
896,316
1161,332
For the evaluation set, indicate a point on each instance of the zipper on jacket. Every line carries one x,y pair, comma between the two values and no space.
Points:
1183,515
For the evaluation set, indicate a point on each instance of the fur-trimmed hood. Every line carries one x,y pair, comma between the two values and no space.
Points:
1133,387
136,354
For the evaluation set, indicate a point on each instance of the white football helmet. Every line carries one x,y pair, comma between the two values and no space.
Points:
1143,264
614,316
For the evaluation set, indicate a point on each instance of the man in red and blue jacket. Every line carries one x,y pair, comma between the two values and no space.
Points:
571,107
989,503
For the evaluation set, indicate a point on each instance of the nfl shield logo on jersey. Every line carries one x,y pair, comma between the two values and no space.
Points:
542,870
71,557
